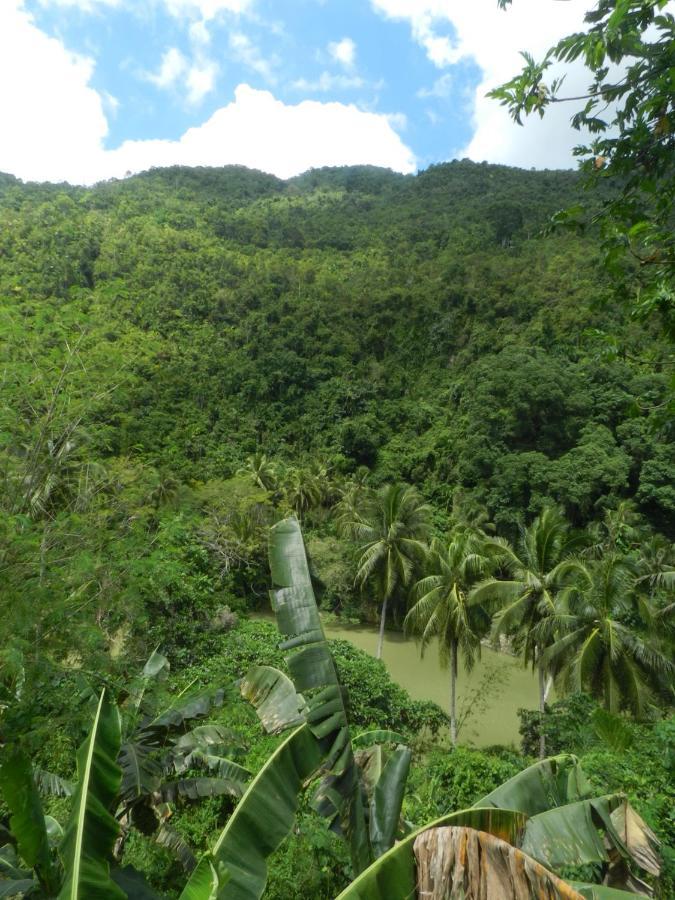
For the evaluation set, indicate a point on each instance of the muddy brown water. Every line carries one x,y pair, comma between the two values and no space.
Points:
488,697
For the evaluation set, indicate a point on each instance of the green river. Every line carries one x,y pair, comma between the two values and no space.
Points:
489,697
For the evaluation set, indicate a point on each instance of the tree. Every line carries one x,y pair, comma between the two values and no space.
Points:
392,526
629,52
598,649
526,603
442,609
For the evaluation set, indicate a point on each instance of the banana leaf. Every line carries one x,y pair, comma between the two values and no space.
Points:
340,796
91,831
274,697
133,883
184,709
141,772
52,785
236,868
591,831
175,843
27,820
387,800
195,788
548,783
394,876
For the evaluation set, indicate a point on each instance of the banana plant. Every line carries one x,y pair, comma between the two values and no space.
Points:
366,811
159,749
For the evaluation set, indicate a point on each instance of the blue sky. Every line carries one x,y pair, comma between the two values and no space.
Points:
91,89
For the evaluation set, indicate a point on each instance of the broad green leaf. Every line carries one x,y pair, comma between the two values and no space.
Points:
27,820
175,843
393,875
548,783
263,818
274,697
91,830
387,799
155,664
133,884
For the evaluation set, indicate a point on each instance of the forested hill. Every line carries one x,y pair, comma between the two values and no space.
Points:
419,326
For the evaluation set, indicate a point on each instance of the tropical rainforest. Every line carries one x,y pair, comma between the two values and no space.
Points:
406,401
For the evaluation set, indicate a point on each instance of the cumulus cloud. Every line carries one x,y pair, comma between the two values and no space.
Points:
260,131
172,67
198,77
53,123
450,31
343,52
205,10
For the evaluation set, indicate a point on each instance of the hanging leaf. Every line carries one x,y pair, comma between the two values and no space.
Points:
196,788
16,888
27,820
52,785
141,772
175,843
91,830
377,736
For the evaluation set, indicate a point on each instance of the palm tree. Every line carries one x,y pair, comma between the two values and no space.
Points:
540,568
392,527
442,609
599,651
261,469
302,491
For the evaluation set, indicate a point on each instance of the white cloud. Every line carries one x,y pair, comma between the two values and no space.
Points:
451,31
244,51
343,52
53,123
199,33
172,67
328,82
84,5
260,131
197,78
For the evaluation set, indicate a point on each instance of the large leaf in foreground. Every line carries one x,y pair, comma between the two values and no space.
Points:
91,830
394,876
548,783
263,818
27,819
340,796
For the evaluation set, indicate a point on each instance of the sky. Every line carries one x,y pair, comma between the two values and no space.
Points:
98,89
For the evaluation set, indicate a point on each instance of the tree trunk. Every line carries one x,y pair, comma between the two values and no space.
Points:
542,706
453,693
547,690
380,639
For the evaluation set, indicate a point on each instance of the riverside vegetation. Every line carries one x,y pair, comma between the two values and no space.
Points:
472,426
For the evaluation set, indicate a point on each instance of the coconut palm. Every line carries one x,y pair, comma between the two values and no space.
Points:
391,528
261,470
539,568
442,609
598,651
